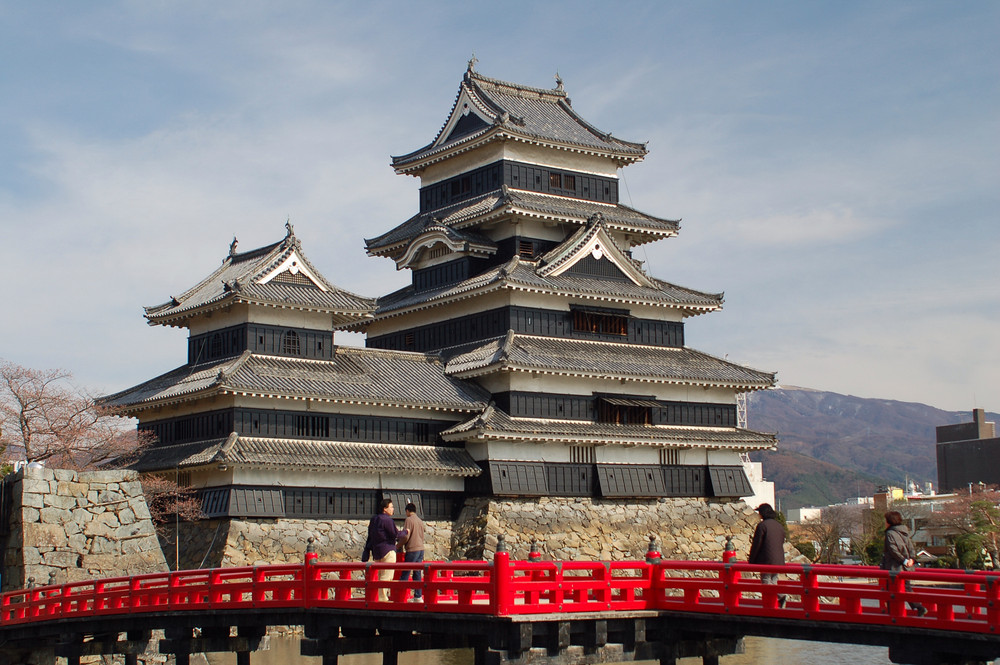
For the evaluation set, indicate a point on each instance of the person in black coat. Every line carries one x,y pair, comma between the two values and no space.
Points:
768,545
898,552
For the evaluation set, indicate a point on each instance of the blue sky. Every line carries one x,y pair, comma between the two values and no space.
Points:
836,166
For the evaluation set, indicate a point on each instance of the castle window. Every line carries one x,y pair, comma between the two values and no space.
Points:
526,249
569,182
290,343
625,410
583,455
599,322
555,180
216,346
670,456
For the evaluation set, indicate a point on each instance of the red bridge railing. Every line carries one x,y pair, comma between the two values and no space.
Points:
956,600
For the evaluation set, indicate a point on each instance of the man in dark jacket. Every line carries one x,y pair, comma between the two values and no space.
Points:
768,546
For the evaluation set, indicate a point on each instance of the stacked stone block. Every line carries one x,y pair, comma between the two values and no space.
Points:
67,526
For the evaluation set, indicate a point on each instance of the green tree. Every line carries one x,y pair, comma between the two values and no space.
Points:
974,522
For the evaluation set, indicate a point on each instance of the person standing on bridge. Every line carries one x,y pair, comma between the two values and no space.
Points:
768,545
381,543
898,552
413,543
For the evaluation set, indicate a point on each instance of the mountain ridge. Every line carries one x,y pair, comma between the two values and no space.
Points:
857,442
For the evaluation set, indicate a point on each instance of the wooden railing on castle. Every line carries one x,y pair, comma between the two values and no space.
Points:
956,600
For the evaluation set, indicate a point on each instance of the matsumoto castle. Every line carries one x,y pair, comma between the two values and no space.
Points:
532,380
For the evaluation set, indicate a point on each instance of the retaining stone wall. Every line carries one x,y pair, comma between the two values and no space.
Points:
578,528
566,528
248,542
77,526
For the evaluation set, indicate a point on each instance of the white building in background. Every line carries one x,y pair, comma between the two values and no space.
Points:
763,490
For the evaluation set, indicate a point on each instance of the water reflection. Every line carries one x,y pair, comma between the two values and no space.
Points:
759,651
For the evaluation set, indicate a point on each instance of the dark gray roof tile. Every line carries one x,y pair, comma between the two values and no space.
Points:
363,376
496,424
519,274
604,359
472,212
527,113
311,454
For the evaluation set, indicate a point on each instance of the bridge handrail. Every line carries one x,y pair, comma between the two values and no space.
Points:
956,600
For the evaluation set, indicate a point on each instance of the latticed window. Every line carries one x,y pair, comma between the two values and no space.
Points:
526,249
670,456
599,322
290,343
583,455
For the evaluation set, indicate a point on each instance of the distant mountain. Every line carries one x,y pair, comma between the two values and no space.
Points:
832,447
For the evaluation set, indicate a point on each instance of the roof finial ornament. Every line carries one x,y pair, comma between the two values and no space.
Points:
289,228
472,62
232,246
559,82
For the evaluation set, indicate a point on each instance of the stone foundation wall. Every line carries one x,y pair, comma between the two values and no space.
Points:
574,528
67,526
566,528
248,542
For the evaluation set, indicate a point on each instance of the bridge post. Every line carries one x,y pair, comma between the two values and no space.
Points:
729,552
652,552
311,555
502,590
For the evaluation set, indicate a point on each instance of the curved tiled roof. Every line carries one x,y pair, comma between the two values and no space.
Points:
526,113
521,275
355,375
324,455
238,280
506,201
571,357
496,424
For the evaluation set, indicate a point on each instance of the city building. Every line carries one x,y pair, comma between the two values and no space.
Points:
968,454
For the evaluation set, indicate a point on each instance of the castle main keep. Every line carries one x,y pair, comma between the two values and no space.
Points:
532,380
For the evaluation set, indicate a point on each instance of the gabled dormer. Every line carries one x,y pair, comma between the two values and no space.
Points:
592,251
274,277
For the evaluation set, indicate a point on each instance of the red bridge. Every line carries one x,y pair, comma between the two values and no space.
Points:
507,610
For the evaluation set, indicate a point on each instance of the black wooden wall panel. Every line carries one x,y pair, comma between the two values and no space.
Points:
729,481
323,503
518,478
630,480
685,481
524,320
232,341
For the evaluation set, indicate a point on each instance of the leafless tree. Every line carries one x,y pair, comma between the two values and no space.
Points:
828,531
45,418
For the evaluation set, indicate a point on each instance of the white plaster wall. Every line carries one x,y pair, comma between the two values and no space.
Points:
519,152
276,316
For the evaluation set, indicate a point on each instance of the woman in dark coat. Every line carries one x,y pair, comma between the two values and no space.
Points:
768,545
898,552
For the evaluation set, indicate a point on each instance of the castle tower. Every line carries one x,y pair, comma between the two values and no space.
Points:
523,280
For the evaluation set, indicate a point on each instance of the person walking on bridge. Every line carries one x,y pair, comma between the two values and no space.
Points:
898,552
413,544
768,546
381,543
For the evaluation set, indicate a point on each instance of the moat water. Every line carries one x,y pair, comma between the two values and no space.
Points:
759,651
